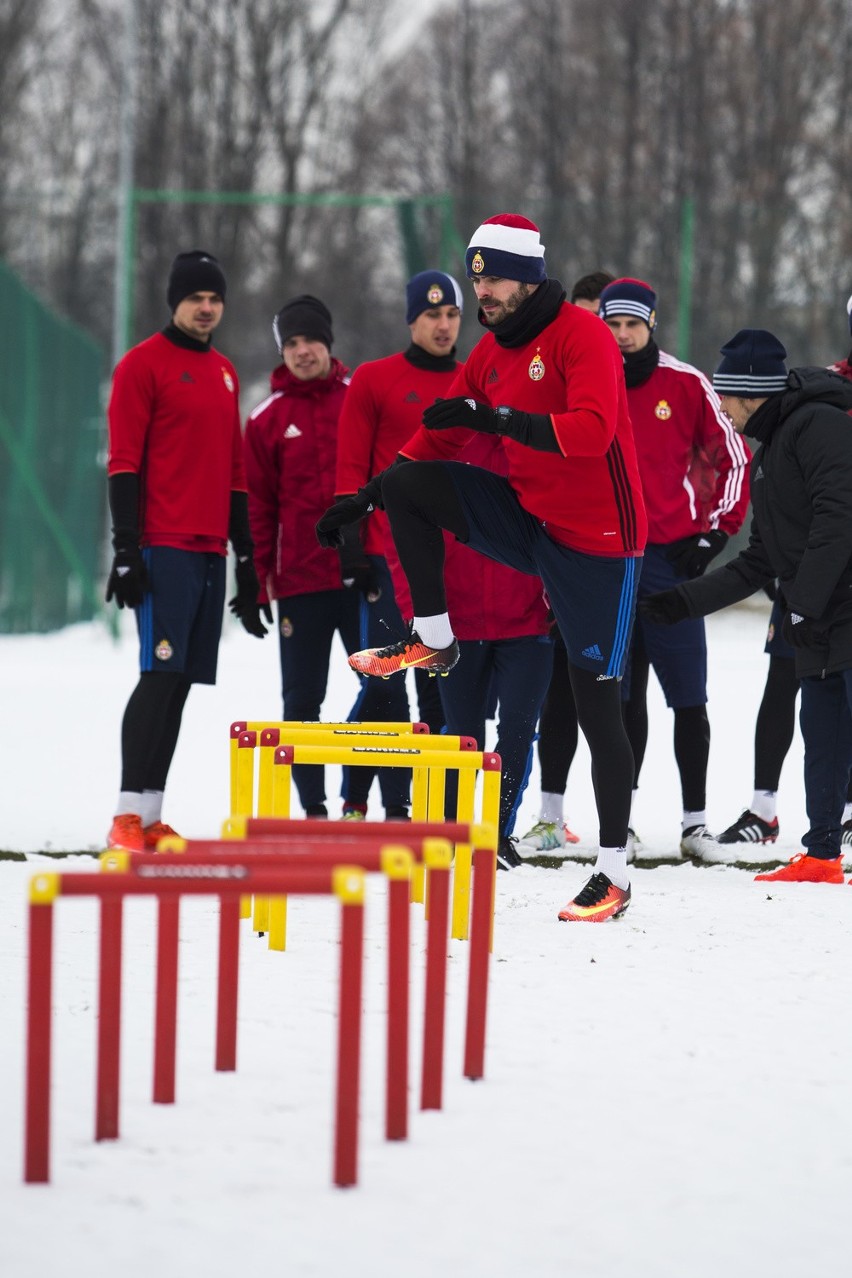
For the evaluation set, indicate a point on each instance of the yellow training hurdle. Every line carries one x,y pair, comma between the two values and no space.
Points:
244,802
341,732
265,789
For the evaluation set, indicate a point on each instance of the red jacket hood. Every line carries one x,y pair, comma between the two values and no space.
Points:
281,379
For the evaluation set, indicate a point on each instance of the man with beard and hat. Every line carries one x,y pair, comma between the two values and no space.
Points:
801,534
558,730
547,378
177,495
682,437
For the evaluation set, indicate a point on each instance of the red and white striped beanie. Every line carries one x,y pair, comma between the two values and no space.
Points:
508,246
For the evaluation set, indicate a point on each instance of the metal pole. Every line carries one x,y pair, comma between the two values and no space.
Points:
684,301
124,193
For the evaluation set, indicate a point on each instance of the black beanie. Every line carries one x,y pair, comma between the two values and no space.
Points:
195,272
303,316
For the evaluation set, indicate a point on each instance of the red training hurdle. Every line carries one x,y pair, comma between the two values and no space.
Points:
229,882
379,856
410,834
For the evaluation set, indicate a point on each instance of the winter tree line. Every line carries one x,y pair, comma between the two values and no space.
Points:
609,124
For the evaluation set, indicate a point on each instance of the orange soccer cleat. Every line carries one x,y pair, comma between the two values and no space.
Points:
409,653
126,834
154,832
806,869
599,900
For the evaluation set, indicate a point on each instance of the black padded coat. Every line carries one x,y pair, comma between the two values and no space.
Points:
801,532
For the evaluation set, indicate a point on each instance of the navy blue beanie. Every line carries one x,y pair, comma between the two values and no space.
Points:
752,365
194,272
630,297
429,289
508,246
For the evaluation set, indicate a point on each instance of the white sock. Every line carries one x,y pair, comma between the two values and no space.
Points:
152,806
847,813
764,804
613,863
694,818
130,801
551,808
436,632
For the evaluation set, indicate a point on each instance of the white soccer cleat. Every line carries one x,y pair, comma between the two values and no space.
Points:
546,836
700,845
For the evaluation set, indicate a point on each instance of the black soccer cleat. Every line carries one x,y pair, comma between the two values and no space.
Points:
750,828
507,853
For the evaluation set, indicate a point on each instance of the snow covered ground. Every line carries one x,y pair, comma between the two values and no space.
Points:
664,1096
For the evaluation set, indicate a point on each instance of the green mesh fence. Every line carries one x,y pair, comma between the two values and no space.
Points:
52,490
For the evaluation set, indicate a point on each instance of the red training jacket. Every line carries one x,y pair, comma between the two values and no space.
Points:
485,600
290,451
383,409
589,497
174,420
683,442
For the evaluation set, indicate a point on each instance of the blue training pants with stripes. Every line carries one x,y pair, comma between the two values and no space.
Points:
593,598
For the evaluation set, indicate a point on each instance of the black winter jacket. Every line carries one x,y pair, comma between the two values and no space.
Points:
801,532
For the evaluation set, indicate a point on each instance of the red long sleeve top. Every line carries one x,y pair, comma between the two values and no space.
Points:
588,496
174,420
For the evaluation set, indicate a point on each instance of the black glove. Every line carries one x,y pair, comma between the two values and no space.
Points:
690,556
348,510
665,608
798,630
244,603
356,570
446,413
533,429
128,578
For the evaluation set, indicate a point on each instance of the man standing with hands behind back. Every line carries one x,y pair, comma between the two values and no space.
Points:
177,494
290,452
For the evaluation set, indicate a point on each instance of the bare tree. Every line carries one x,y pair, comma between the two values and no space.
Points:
20,21
610,123
606,123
